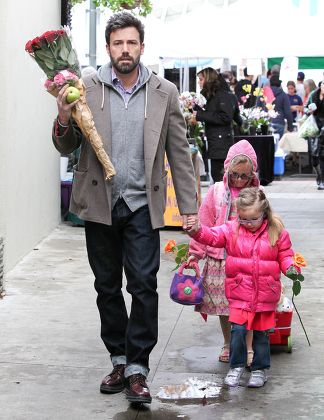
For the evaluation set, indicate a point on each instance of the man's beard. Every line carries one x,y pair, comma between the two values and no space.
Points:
125,68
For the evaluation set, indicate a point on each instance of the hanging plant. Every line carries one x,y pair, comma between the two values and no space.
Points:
144,7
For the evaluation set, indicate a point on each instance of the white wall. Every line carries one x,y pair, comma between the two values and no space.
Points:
29,164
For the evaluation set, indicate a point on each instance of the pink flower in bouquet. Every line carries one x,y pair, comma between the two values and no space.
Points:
64,77
49,85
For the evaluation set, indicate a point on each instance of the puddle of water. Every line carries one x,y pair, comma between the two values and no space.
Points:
191,391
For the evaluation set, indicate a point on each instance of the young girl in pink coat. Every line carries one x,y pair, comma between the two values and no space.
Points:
218,207
258,249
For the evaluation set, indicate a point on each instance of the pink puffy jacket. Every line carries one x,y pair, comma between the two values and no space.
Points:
252,265
216,206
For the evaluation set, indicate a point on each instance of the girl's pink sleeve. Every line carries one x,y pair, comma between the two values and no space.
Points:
285,252
207,216
215,236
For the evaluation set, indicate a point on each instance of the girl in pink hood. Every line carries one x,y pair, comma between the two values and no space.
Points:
258,249
218,207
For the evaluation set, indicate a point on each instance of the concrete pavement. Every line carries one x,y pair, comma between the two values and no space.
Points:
52,359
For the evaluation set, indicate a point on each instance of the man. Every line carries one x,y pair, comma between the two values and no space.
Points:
282,107
244,90
300,89
138,116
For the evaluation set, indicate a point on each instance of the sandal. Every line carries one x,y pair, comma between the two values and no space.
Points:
250,355
224,354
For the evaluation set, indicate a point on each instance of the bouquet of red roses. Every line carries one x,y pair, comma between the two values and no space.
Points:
54,54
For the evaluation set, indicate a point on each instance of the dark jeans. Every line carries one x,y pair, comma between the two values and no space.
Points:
238,352
217,169
132,244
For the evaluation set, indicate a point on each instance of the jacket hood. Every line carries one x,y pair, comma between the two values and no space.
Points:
276,90
242,147
104,76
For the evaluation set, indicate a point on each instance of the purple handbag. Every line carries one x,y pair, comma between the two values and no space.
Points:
186,289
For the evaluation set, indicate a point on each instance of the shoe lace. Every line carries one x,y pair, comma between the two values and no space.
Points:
138,379
117,371
258,374
234,372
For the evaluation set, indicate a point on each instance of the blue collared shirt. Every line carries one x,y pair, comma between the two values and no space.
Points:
125,93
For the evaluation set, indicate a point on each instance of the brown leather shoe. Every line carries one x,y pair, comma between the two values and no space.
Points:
114,382
137,390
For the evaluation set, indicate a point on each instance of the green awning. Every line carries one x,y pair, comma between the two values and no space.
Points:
305,63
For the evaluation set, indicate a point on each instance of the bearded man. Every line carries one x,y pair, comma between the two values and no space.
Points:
139,119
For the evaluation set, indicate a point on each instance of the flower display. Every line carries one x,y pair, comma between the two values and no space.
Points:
294,273
188,101
181,252
257,116
54,54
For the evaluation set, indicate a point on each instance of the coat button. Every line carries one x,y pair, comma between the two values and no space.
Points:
156,188
94,182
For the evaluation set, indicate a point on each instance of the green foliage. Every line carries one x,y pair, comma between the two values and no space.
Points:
297,278
181,252
144,7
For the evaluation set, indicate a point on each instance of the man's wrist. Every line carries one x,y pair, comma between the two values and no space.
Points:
61,124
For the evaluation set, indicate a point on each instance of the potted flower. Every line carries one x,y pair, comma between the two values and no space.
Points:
144,6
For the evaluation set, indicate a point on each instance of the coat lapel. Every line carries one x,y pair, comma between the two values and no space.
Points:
157,101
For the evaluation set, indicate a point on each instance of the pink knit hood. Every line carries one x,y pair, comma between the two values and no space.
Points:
242,147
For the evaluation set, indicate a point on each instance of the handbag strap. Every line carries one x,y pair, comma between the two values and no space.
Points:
192,265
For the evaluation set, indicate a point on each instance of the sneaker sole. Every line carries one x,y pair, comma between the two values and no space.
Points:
110,390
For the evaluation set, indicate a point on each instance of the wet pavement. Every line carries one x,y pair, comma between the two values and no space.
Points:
52,359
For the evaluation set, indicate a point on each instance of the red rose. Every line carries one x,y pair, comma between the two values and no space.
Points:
36,43
28,47
50,36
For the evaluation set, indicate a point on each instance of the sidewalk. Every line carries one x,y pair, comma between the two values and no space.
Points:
52,359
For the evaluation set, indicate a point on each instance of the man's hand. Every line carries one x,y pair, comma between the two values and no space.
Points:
64,108
190,223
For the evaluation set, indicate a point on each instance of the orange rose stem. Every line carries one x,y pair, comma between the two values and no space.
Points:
301,322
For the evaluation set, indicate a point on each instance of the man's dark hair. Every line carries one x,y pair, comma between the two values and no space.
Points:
245,72
123,20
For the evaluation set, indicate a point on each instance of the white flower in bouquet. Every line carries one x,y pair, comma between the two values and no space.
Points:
188,100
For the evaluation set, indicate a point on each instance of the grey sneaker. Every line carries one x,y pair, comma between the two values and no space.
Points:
257,379
233,377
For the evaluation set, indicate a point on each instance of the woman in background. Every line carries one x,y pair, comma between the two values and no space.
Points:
220,111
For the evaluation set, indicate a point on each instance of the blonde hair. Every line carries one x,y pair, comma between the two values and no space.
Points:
249,197
238,159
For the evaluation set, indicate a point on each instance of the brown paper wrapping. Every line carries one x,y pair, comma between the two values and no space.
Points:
82,115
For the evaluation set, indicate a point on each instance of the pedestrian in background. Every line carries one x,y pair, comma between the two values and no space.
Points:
138,116
316,144
258,249
282,107
300,88
244,90
220,111
296,102
217,208
309,87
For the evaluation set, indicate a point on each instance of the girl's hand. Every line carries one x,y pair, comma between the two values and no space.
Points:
191,260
